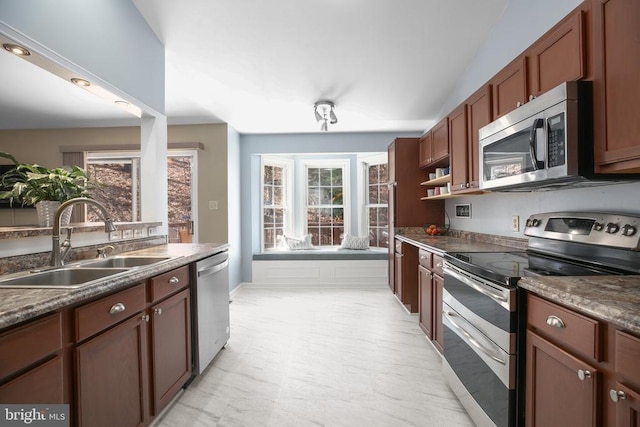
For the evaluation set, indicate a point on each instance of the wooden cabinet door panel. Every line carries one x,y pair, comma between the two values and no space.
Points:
556,396
559,55
111,377
510,87
479,113
425,149
616,52
627,406
460,155
425,301
398,270
171,344
440,141
43,384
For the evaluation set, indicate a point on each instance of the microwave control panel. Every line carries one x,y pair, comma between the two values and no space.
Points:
556,145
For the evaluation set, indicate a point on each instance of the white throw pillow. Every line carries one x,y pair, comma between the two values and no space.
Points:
353,242
298,243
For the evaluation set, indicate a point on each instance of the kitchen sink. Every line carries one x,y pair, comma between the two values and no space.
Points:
123,262
62,278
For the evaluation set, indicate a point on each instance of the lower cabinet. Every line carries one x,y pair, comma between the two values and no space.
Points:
579,371
171,347
430,287
31,362
112,376
561,389
134,351
406,264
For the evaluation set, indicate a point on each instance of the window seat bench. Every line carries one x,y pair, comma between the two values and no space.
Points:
330,267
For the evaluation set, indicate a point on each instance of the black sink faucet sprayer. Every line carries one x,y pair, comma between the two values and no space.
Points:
57,257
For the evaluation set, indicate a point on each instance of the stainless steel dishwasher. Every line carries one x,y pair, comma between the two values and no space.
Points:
210,308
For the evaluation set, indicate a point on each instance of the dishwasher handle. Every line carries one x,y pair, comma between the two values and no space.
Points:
214,269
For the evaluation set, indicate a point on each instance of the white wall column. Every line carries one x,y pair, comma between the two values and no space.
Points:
153,168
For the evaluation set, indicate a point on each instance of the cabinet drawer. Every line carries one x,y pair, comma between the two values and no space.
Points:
398,246
425,259
99,315
30,343
570,330
41,385
168,283
627,357
438,263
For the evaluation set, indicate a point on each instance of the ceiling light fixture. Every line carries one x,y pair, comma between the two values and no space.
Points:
16,50
80,82
324,113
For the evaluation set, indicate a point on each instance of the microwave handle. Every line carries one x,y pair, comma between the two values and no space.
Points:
537,124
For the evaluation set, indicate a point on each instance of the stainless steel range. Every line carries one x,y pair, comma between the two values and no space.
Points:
484,315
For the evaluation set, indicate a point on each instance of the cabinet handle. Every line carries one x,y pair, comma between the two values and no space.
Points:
583,374
555,321
157,311
518,104
145,318
617,395
439,264
174,280
117,308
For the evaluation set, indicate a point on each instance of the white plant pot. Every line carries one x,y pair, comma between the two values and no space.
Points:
46,211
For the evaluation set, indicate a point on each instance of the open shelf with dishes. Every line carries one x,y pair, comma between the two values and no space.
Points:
436,183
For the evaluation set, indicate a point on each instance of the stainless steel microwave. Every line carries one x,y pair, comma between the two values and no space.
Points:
546,143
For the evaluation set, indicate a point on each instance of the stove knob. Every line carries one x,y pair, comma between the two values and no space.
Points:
535,222
612,228
629,230
598,226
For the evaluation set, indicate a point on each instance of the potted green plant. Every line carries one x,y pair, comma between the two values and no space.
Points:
42,187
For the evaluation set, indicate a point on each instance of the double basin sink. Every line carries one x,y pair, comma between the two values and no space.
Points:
80,274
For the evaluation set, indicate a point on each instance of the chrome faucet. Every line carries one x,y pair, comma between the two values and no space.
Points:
56,257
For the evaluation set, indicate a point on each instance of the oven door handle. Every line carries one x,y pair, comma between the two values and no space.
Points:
495,295
491,353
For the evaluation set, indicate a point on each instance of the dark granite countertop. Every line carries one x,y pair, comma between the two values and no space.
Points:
614,299
442,244
18,305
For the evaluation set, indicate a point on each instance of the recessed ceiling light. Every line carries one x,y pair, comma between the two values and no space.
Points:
16,50
80,82
122,103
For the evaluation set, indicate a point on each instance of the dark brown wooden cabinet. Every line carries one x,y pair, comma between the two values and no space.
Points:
561,389
406,209
559,55
460,149
625,395
171,347
424,150
31,362
616,55
407,275
430,287
440,143
509,87
111,376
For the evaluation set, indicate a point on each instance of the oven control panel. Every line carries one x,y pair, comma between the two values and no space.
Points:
606,229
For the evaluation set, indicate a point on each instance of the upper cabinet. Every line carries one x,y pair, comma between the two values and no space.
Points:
434,145
558,56
464,124
510,87
616,58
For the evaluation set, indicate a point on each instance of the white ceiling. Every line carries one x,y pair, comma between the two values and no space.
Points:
260,65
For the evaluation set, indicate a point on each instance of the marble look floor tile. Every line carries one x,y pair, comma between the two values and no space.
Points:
329,357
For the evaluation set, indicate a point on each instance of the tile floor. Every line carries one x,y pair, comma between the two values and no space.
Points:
331,357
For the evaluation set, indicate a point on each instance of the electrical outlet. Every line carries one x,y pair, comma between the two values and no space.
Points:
515,223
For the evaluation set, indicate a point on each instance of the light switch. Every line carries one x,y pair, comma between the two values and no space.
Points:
213,205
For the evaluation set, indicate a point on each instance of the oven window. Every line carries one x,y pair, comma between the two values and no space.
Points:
573,226
509,156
